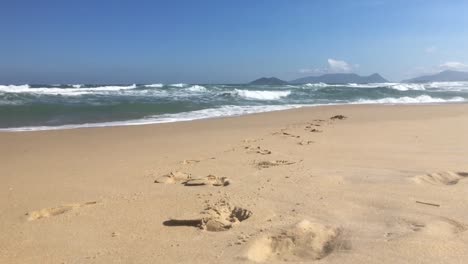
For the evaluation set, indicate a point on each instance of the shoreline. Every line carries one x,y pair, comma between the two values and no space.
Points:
145,122
384,184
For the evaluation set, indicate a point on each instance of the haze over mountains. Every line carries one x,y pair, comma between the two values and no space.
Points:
345,78
445,76
341,78
331,78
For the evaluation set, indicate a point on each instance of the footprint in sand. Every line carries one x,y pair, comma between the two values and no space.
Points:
187,180
268,164
208,180
303,242
444,226
195,161
173,177
284,133
441,178
440,226
311,125
257,150
48,212
250,140
290,135
221,216
338,117
190,162
305,143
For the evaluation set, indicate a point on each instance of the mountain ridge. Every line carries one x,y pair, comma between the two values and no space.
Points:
330,78
444,76
268,81
341,78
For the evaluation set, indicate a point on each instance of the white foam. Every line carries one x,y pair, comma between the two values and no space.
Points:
6,88
368,85
224,111
77,85
262,95
154,85
409,100
450,86
62,91
396,86
316,84
179,85
196,88
407,86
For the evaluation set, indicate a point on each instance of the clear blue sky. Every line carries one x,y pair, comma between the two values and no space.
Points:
216,41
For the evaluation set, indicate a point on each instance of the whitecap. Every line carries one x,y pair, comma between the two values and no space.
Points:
262,95
409,100
407,86
154,85
321,84
63,91
452,86
12,88
196,88
179,85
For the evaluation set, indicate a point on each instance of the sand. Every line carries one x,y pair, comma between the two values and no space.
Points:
379,184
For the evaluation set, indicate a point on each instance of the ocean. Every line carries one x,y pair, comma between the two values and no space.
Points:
45,107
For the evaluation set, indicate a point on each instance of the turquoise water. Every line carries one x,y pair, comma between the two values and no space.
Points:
38,107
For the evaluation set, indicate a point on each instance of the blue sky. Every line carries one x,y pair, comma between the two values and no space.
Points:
216,41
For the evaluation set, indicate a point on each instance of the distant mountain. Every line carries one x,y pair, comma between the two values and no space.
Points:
445,76
341,78
269,81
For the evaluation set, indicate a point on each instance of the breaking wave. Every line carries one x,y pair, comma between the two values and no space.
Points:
155,85
179,85
319,85
409,100
196,88
62,91
39,107
262,95
407,86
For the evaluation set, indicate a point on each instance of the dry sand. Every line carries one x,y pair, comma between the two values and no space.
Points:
387,184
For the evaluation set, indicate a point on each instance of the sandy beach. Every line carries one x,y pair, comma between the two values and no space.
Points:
374,184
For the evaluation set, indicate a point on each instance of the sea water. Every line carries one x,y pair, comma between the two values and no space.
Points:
43,107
